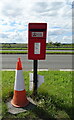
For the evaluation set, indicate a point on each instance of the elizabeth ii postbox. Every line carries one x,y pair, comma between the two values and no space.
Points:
37,41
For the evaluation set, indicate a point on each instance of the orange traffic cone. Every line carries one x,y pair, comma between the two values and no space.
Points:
19,97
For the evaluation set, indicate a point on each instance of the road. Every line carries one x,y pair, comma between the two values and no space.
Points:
52,62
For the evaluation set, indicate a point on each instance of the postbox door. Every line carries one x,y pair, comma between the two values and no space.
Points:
37,49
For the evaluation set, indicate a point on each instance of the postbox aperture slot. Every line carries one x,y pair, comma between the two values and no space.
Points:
39,30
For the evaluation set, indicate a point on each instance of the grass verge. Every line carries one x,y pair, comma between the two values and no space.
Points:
25,52
46,48
13,48
57,52
13,52
54,98
60,48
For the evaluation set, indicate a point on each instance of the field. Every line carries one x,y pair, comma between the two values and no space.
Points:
54,98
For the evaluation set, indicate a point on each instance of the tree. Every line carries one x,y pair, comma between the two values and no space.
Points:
50,44
57,44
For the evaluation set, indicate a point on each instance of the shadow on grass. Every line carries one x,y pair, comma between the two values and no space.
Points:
59,105
42,113
38,112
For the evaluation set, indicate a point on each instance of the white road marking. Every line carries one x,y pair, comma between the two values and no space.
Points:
8,69
24,70
40,70
66,69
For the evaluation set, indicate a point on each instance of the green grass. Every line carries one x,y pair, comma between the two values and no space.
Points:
54,99
57,52
13,52
46,48
60,48
25,52
13,48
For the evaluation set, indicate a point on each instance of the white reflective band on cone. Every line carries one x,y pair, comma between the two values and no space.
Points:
19,81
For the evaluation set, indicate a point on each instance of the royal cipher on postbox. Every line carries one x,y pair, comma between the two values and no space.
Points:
37,41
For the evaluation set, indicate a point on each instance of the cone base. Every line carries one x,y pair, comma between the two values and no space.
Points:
19,99
19,105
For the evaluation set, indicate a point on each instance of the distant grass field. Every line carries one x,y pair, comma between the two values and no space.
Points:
54,99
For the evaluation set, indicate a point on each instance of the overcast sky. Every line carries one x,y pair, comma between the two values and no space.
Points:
16,14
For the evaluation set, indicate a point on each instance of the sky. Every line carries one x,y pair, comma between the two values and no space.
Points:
16,14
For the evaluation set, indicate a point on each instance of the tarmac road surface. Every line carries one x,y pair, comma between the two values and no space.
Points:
52,62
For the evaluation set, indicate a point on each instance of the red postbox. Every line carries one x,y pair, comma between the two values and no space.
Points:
37,41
